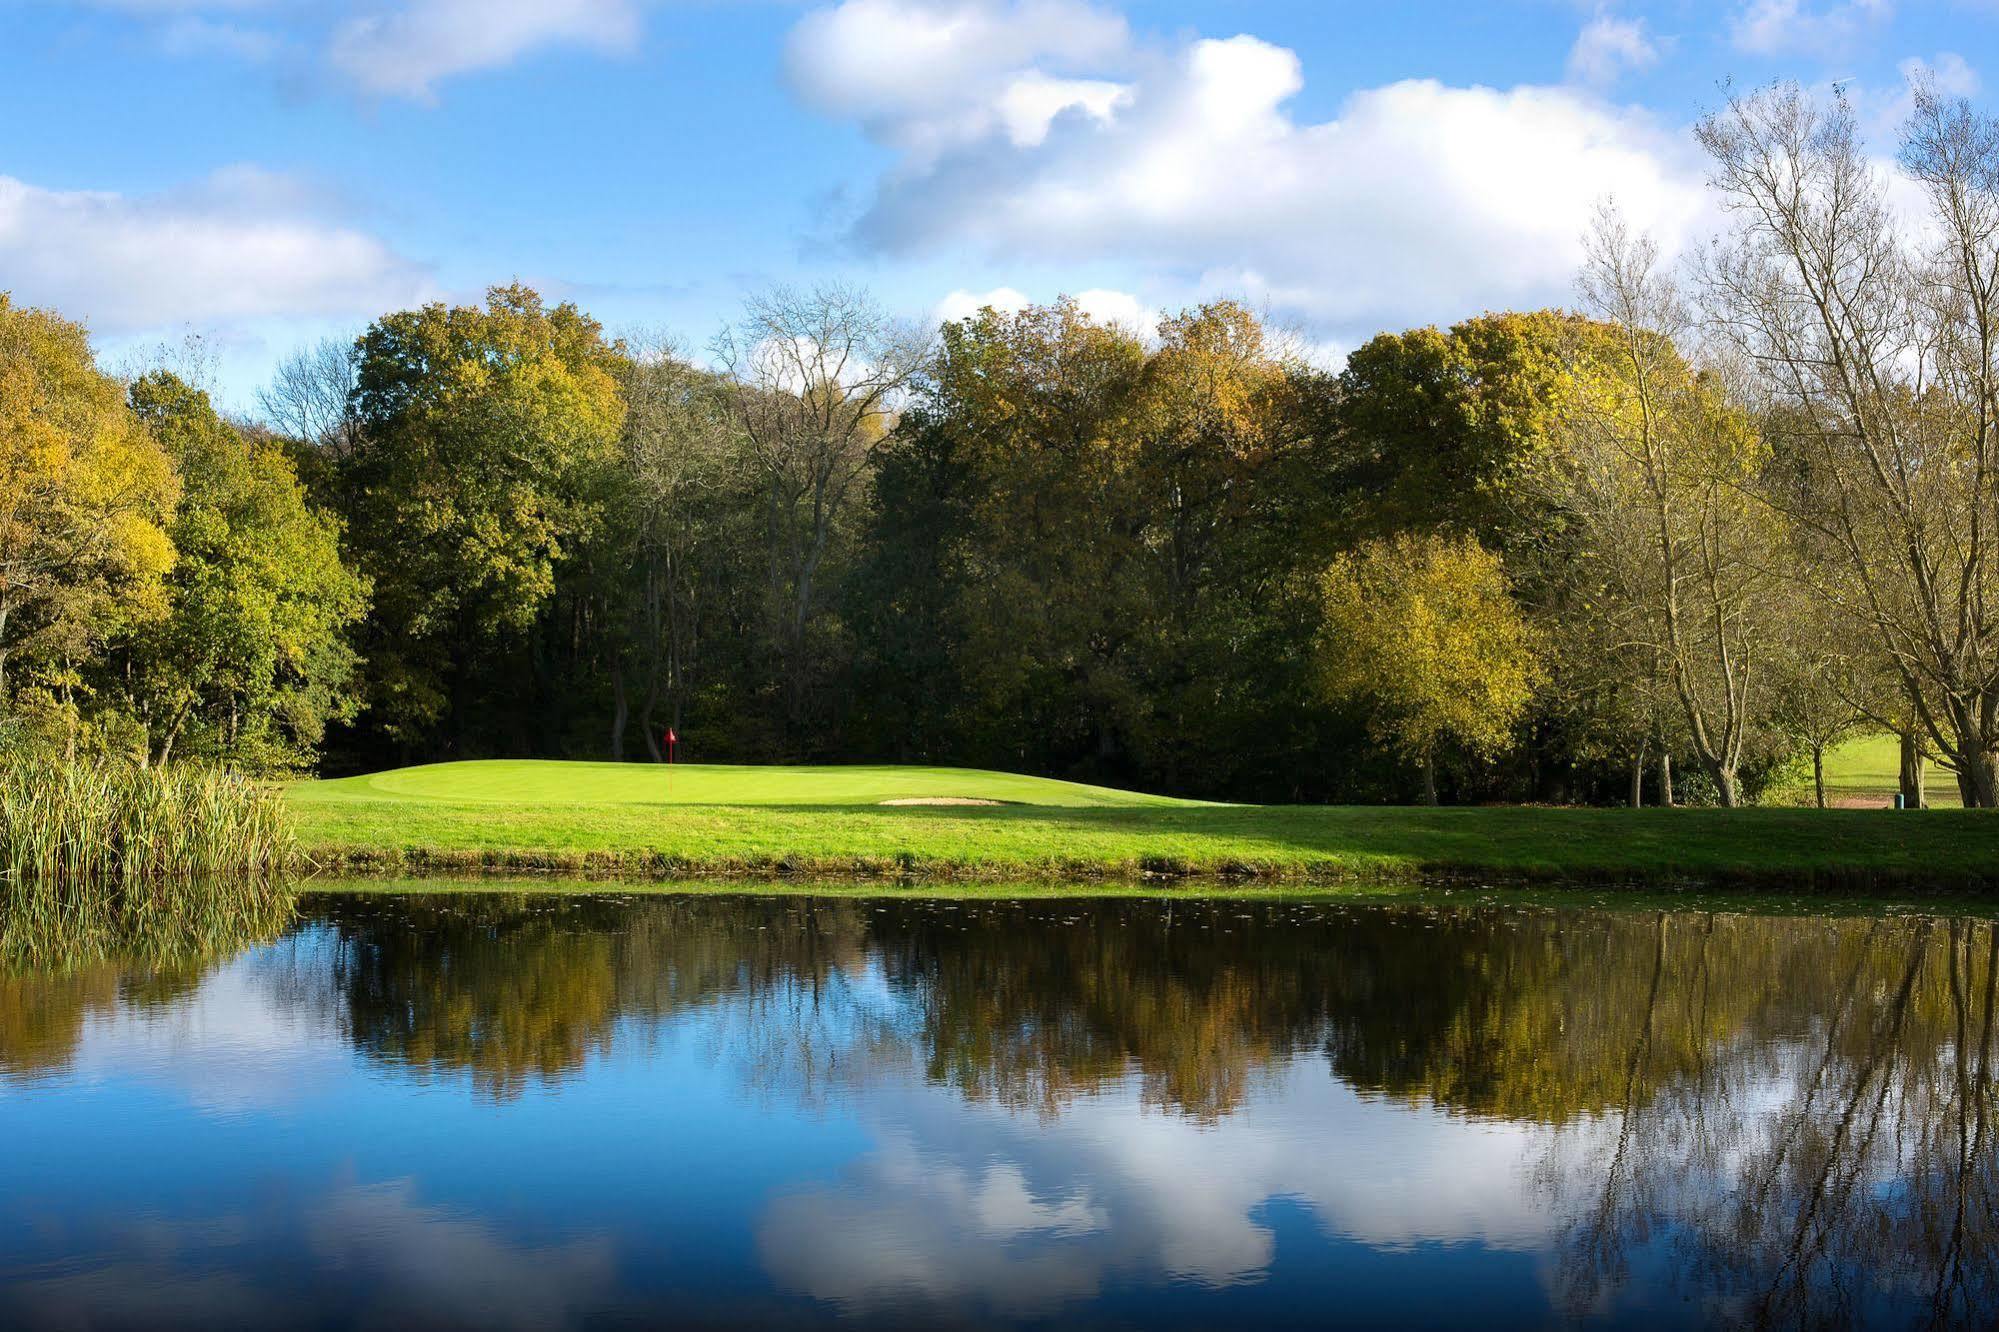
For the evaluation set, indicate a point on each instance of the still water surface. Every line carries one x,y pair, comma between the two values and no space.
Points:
511,1110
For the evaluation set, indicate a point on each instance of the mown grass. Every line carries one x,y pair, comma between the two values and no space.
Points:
371,826
1869,768
532,781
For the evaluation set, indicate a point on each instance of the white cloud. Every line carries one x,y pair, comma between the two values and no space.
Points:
405,51
1795,27
1029,104
1101,304
1419,201
242,244
925,75
971,1209
1608,47
962,304
1119,308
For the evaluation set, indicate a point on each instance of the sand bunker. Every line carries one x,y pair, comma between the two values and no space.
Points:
942,800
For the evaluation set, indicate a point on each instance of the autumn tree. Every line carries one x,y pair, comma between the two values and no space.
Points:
1442,426
1424,634
85,498
1044,411
1655,476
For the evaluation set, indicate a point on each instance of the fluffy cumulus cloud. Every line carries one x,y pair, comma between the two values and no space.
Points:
967,1208
1417,201
405,50
927,76
243,244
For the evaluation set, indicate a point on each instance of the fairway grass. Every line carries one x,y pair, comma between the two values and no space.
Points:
533,781
1868,770
829,823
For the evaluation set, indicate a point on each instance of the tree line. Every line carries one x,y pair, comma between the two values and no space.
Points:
1670,545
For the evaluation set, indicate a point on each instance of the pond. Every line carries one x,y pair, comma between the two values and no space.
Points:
503,1109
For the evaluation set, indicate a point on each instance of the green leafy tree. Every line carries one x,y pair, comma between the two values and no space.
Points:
252,658
485,439
1424,634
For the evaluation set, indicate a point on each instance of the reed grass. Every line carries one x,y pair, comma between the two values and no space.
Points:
98,851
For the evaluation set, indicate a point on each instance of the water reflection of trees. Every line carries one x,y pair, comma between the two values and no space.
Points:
55,974
1030,1004
1801,1109
1839,1148
516,989
1025,1004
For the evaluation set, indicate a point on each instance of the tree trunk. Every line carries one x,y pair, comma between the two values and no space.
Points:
1665,780
621,712
1818,773
1911,778
1429,771
1978,781
1728,785
1638,779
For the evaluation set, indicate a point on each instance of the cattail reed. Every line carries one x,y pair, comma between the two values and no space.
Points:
90,848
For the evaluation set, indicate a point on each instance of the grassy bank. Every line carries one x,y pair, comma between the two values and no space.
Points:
1372,892
601,820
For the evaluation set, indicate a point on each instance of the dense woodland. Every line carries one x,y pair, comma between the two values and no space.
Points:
1670,544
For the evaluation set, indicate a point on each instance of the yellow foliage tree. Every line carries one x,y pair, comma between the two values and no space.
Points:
85,494
1424,632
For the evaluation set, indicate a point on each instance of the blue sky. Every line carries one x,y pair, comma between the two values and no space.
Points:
269,171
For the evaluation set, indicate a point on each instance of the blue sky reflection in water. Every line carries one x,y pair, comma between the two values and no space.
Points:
506,1110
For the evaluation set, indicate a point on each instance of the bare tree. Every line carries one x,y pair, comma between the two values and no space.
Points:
1878,344
816,379
190,358
310,396
678,449
1654,469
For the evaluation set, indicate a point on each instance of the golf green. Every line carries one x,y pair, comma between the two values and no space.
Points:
530,781
640,820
